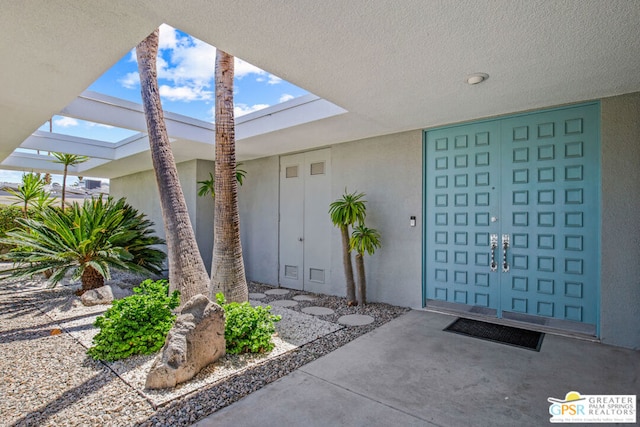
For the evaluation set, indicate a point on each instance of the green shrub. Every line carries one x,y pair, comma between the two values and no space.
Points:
247,329
8,215
137,324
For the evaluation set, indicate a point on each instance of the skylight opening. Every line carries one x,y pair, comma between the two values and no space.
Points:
186,79
86,129
187,87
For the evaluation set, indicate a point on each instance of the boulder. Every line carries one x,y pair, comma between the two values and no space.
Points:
104,295
196,340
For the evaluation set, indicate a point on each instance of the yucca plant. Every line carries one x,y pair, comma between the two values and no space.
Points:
29,191
344,212
42,201
87,240
363,240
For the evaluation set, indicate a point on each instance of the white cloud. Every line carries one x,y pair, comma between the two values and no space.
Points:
168,37
185,93
65,122
242,109
274,80
99,125
286,97
130,80
243,68
191,61
270,79
186,69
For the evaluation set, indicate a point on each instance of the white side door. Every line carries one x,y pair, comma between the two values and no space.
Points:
305,225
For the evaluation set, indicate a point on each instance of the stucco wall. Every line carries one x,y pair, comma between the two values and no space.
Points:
204,210
620,284
388,169
258,204
141,192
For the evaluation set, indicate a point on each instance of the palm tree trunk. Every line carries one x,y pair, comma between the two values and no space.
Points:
362,280
227,270
91,279
187,272
348,266
64,184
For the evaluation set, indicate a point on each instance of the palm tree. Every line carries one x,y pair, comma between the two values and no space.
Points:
187,272
345,212
227,270
67,160
363,240
29,191
85,239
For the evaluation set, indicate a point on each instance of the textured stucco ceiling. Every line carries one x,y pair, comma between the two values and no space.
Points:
393,65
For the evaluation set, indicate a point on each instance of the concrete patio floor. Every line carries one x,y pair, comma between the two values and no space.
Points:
409,372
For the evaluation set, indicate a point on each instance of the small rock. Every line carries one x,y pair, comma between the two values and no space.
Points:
104,295
196,340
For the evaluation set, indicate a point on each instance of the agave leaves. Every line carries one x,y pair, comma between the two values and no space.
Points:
87,239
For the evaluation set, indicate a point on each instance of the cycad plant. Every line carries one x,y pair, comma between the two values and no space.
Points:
87,240
363,239
345,212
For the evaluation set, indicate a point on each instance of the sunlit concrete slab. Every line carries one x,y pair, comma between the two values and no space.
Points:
413,372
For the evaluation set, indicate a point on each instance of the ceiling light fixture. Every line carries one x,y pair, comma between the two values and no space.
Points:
475,78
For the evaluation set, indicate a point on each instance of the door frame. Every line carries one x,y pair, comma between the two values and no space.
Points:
598,190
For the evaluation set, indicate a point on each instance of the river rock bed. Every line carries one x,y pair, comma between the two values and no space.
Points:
48,380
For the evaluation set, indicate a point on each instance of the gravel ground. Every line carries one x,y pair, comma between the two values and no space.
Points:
47,379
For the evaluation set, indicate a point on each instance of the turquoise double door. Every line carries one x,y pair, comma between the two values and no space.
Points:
512,213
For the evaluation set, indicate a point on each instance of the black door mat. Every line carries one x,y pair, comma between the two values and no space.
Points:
497,333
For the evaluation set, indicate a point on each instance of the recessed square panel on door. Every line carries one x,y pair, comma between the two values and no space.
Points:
462,214
550,203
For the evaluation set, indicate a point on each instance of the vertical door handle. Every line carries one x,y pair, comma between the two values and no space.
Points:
494,246
505,246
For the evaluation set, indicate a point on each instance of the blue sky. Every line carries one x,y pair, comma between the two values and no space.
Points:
185,77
